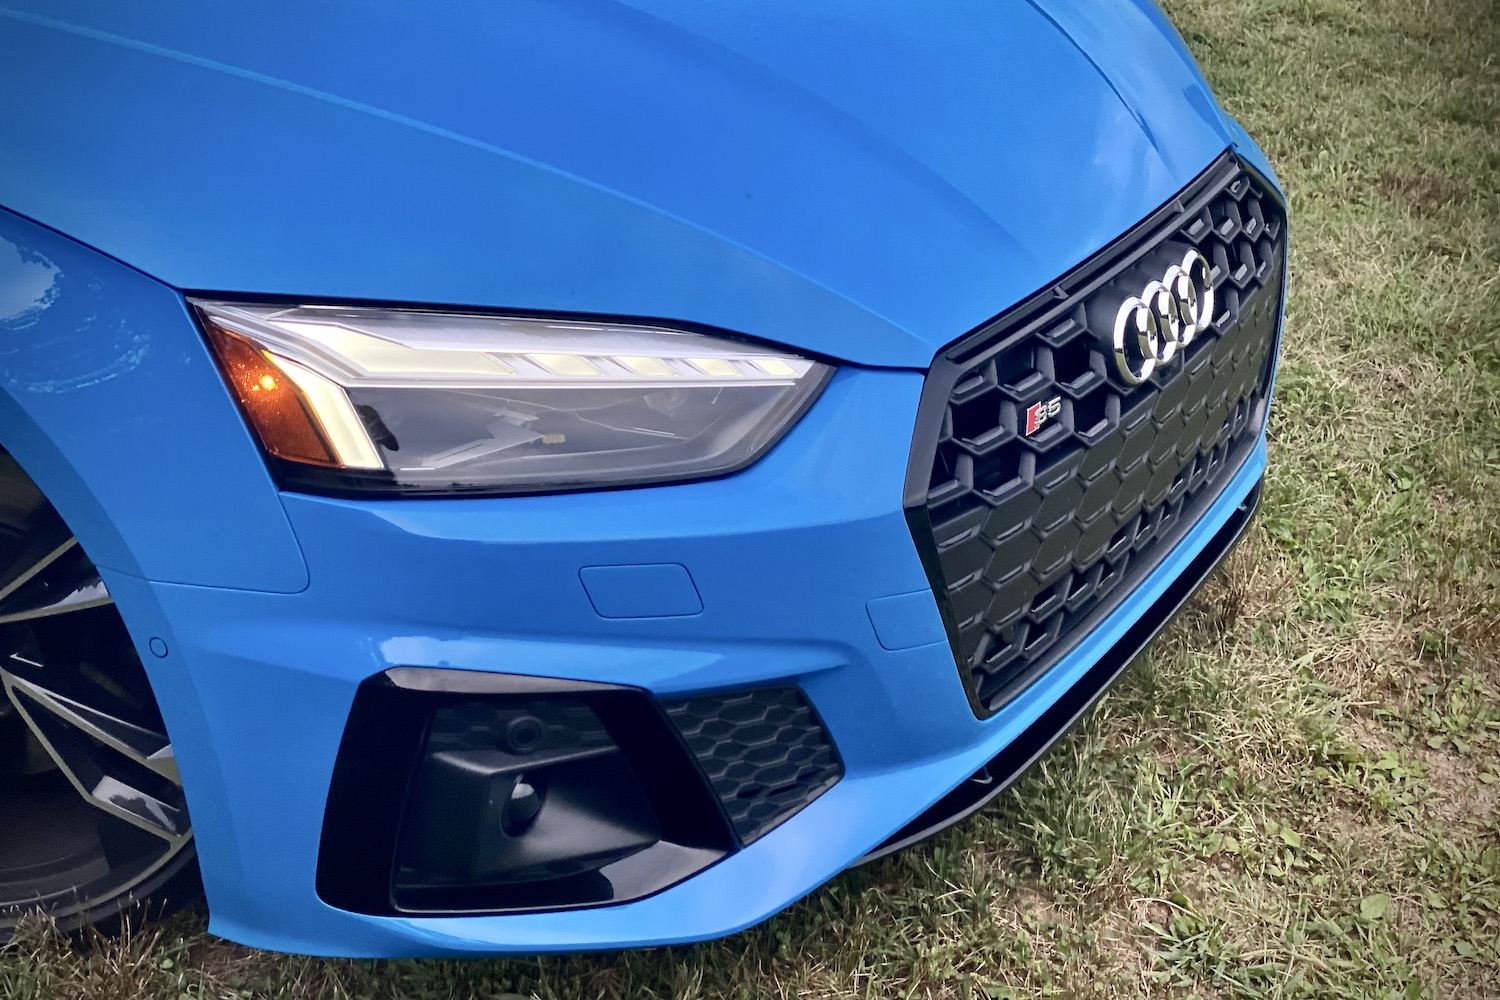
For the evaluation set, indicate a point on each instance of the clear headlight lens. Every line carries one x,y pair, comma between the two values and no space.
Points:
395,400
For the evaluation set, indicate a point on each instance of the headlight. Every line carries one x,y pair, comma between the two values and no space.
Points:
406,401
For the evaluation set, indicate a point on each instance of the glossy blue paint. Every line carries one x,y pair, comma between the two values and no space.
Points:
861,179
659,590
905,621
900,719
110,401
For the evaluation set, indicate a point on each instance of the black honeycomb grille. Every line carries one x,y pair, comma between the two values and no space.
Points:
1030,540
765,752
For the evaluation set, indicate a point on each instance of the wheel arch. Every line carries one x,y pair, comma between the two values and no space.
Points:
111,402
66,647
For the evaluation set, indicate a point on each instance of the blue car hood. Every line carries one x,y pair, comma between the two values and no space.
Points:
863,179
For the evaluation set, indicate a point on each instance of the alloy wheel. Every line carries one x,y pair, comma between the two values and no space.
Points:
92,814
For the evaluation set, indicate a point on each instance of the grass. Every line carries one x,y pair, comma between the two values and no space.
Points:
1294,794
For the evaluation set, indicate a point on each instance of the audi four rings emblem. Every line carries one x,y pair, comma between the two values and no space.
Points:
1166,316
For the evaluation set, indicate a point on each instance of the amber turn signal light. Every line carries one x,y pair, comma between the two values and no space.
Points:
271,401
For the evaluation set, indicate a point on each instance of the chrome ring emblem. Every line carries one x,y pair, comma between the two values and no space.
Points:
1151,327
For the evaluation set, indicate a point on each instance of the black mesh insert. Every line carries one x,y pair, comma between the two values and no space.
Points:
1030,540
765,752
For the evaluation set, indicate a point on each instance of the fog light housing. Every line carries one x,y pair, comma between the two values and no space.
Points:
462,792
566,804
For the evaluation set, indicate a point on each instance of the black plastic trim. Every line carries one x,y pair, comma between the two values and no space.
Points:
1011,763
1119,255
1014,327
378,761
765,752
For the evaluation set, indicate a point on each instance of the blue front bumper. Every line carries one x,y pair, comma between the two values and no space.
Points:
786,558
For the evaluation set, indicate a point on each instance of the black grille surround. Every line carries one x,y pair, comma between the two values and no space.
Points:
764,751
1030,541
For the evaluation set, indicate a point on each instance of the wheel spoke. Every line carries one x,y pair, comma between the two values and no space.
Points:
60,580
147,748
135,806
68,730
92,812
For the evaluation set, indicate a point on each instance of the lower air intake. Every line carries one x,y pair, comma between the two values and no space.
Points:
765,752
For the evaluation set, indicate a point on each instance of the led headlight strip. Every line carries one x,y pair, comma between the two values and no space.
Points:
459,402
